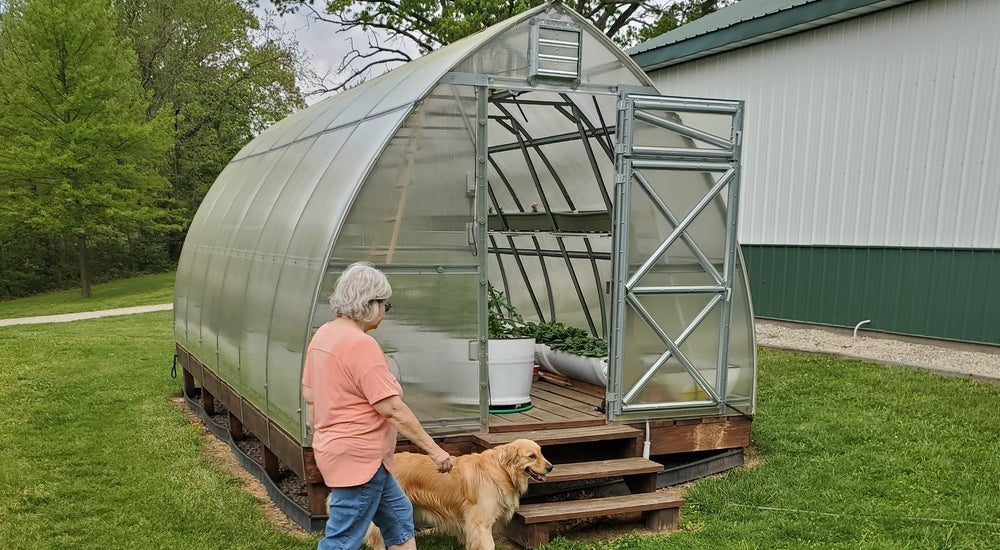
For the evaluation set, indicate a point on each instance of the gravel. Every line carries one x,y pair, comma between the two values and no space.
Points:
977,361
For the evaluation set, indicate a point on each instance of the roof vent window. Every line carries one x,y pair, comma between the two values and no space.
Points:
554,51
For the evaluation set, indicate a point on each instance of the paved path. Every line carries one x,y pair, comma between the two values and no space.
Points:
67,317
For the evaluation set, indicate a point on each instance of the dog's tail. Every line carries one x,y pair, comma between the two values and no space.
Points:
373,538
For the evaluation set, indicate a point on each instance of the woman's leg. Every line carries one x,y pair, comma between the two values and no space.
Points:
394,517
351,512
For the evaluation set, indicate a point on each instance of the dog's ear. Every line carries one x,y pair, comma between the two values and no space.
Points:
507,454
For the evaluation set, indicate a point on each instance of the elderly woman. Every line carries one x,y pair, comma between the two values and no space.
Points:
355,410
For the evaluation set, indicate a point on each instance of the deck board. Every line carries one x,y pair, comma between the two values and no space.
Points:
553,406
574,403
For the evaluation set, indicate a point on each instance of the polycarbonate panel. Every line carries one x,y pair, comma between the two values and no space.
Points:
415,205
672,382
238,285
680,192
674,314
412,219
222,228
191,266
602,63
742,375
277,135
304,258
332,109
278,227
429,337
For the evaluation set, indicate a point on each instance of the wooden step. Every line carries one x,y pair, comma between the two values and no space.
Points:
532,523
599,469
562,436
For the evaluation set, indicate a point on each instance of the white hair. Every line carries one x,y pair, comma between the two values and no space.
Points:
356,291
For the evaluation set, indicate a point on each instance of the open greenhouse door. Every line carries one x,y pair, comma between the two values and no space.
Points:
675,272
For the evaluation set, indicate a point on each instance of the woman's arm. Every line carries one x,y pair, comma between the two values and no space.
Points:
402,418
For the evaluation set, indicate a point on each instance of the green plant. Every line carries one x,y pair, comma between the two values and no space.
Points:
568,339
504,320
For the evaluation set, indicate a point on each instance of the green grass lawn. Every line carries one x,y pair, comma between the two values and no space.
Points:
93,455
137,291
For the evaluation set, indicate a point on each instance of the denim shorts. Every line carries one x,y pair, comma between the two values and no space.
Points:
352,509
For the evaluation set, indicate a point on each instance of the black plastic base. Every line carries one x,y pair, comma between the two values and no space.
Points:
292,509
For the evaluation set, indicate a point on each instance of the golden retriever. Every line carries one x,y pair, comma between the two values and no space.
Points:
480,490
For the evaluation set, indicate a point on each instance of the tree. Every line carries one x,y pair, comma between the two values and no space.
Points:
679,13
397,31
80,146
223,75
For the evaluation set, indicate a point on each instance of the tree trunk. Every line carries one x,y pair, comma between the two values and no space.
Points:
84,258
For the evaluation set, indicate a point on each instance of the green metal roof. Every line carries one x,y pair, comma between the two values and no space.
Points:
748,22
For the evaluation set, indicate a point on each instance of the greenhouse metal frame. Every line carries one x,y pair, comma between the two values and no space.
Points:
533,155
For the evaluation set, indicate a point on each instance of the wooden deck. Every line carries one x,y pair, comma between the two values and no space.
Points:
564,418
555,405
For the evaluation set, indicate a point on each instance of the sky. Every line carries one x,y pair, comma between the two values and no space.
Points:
317,39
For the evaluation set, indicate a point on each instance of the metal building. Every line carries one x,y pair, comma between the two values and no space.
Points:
873,152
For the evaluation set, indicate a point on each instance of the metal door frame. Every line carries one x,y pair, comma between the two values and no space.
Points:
629,157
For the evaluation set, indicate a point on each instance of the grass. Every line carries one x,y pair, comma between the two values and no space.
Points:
137,291
852,455
93,454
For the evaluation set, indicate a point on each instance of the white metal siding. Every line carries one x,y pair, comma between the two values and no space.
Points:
876,131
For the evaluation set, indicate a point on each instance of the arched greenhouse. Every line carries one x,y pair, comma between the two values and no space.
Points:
535,157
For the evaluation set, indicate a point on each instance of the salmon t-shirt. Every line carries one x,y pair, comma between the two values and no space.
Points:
348,373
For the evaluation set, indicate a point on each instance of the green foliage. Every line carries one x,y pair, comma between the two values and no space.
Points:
397,29
223,76
504,321
31,263
79,150
115,119
856,455
568,339
675,14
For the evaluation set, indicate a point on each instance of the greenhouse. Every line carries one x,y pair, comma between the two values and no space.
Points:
533,159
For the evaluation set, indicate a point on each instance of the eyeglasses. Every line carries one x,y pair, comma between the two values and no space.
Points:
388,305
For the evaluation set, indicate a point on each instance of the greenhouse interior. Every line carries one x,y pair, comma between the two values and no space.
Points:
530,167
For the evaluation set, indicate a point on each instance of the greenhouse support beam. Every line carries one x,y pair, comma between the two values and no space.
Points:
575,255
522,84
594,168
680,229
729,267
482,111
554,139
659,103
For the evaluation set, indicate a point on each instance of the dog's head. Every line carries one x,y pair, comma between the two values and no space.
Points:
524,455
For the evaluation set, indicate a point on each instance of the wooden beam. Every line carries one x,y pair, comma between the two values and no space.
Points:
708,434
